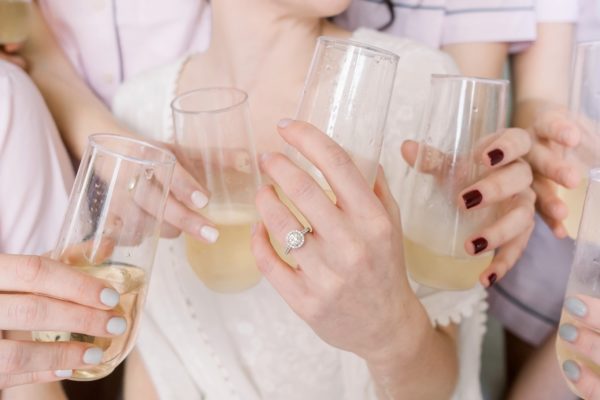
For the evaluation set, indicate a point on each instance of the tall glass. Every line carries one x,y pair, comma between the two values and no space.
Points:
215,143
585,107
585,270
15,18
111,231
462,117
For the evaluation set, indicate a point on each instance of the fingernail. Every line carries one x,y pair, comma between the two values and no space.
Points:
576,307
568,332
199,199
479,245
496,156
571,370
109,297
209,233
284,123
63,373
116,326
472,198
492,279
93,356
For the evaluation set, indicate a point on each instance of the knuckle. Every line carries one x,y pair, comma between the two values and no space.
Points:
356,255
336,156
28,311
87,319
12,358
304,188
31,269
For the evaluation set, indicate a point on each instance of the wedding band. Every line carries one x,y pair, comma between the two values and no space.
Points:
295,239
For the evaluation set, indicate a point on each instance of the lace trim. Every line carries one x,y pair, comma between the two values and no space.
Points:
452,307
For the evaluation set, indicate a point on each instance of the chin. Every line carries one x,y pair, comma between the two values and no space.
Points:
319,8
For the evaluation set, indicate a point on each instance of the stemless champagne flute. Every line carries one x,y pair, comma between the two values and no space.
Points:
14,20
585,270
462,116
214,141
111,231
585,107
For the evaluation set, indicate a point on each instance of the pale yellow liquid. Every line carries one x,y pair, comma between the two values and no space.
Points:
130,282
564,353
443,271
228,265
574,199
14,21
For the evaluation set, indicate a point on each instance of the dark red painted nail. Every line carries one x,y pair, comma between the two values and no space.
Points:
496,156
480,244
492,278
472,198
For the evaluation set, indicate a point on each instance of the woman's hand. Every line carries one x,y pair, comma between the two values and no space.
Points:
38,294
507,184
579,335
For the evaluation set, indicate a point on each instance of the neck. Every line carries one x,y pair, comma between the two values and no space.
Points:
251,39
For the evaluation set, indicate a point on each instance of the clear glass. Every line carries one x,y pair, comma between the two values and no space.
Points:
347,95
585,107
214,142
462,116
15,20
111,231
585,270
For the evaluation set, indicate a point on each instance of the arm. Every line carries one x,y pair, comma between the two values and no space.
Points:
485,60
48,391
138,384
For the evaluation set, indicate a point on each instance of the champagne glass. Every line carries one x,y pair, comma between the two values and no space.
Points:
585,107
214,141
463,115
111,231
15,18
585,270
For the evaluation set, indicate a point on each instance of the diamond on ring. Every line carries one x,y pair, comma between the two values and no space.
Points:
295,239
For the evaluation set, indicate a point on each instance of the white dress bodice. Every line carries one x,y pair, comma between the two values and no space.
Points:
198,344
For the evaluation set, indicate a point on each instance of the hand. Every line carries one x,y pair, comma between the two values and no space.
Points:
37,293
351,268
507,184
10,53
579,335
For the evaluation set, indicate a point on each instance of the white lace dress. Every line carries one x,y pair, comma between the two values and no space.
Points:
198,344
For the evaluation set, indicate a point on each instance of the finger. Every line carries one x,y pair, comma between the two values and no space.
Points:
169,231
580,340
429,159
550,207
383,193
550,164
30,312
498,186
18,357
557,126
512,144
301,189
11,380
47,277
185,189
410,150
505,258
13,47
583,308
352,191
586,382
90,251
287,281
279,221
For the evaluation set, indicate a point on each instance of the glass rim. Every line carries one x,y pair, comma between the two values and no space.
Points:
474,79
360,45
169,157
235,104
587,44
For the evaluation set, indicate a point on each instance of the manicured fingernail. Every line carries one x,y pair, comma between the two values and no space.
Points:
209,233
199,199
116,326
472,198
63,373
93,356
284,123
492,279
479,245
576,307
109,297
568,332
571,370
496,156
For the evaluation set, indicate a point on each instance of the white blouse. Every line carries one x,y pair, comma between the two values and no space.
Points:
199,344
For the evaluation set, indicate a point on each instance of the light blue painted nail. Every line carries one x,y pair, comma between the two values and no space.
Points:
116,326
568,332
576,307
109,297
63,373
571,370
93,356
